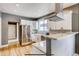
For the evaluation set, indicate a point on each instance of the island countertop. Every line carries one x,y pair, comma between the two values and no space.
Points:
59,36
64,45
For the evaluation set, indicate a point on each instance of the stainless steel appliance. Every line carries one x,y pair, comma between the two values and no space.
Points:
24,34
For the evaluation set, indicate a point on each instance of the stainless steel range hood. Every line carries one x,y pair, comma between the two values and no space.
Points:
54,16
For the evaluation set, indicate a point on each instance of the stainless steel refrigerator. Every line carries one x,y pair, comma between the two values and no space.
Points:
24,34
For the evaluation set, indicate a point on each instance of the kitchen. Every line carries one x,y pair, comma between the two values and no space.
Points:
58,30
53,29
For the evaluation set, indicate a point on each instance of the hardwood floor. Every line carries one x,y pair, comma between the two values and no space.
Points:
15,50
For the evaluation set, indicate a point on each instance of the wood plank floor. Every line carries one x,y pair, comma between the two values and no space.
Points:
15,50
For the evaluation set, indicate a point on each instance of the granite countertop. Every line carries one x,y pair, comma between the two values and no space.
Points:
59,36
42,45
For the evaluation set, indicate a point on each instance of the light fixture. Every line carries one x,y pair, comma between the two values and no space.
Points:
17,5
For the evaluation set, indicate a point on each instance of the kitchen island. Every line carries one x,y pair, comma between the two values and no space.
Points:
59,44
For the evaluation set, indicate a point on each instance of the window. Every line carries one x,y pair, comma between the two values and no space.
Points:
41,25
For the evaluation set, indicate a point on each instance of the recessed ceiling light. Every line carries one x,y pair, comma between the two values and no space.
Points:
17,5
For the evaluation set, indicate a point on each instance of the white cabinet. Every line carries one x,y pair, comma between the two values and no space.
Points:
63,47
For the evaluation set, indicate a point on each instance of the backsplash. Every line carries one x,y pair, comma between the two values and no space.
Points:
60,31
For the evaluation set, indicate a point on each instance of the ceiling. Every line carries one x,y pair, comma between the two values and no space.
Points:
34,10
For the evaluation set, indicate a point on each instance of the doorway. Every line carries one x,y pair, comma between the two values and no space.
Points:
12,32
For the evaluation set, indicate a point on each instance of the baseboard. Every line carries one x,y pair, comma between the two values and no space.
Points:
2,46
13,43
8,45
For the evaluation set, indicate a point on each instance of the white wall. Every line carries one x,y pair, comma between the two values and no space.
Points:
17,32
66,23
0,29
